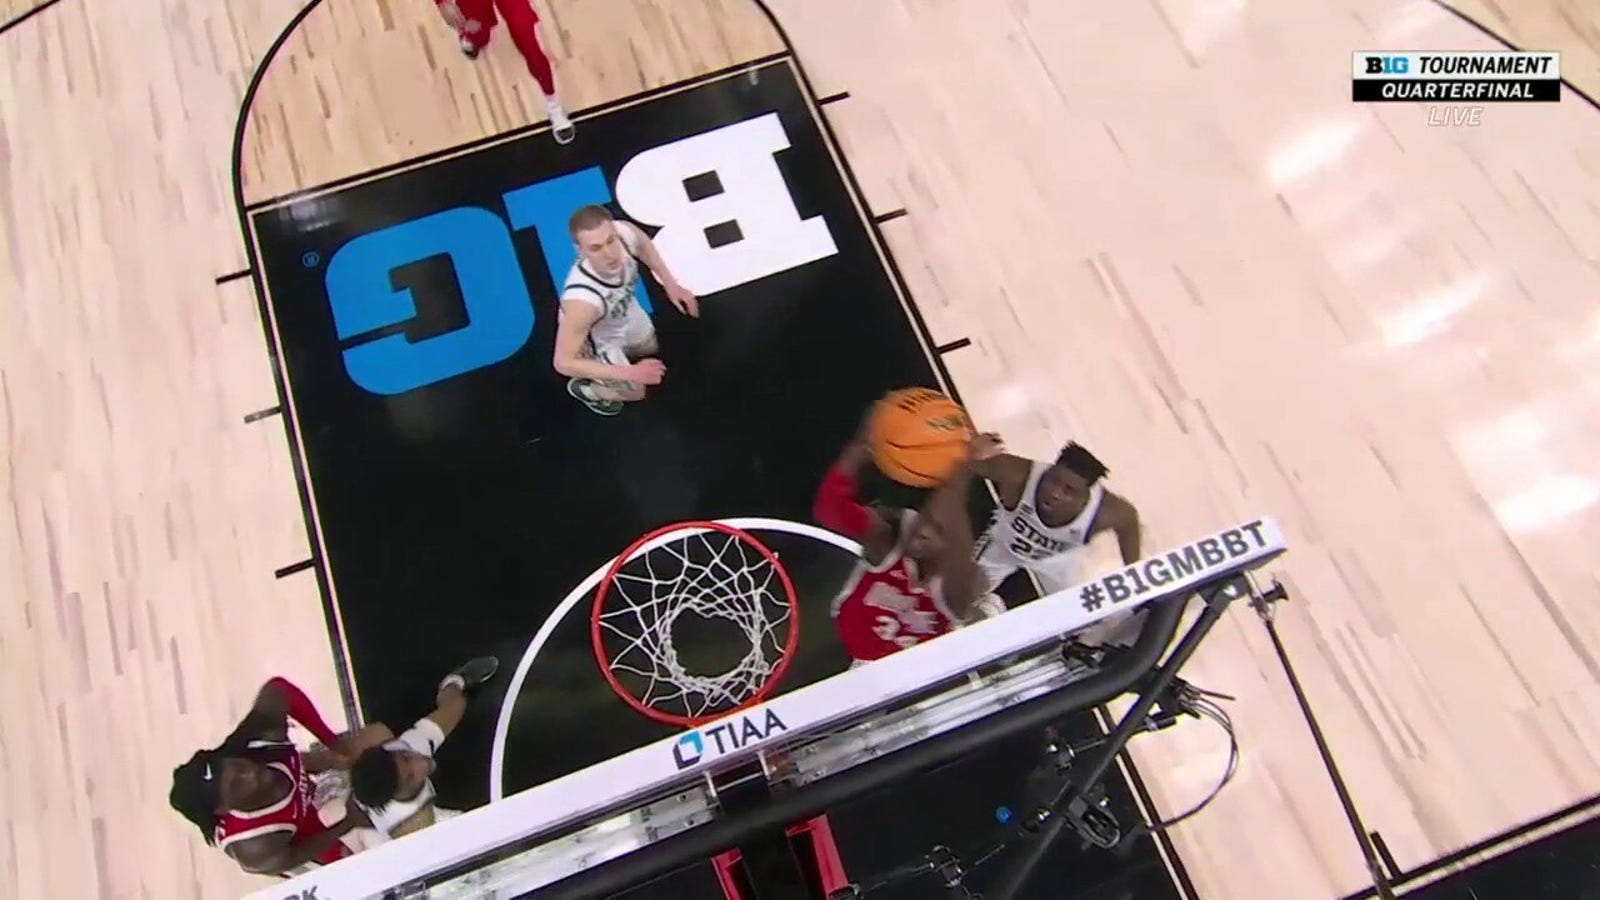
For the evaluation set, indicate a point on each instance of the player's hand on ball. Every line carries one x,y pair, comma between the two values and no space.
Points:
647,371
985,446
684,299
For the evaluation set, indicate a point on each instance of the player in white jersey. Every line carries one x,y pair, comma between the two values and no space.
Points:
391,784
606,343
1048,513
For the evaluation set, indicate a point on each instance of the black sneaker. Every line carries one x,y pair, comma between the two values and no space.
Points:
476,671
468,50
583,391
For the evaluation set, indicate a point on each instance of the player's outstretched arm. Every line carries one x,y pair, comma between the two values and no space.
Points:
838,506
649,254
343,753
1008,473
1122,518
577,317
948,507
277,702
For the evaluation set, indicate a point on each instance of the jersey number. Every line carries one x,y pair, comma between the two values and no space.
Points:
888,628
906,614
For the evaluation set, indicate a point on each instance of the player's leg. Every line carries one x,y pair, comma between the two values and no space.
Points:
1059,572
639,335
473,21
428,733
451,698
605,396
522,22
638,342
995,565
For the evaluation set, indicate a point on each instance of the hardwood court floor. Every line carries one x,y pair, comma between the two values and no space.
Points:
1264,301
1571,27
13,10
367,85
1272,300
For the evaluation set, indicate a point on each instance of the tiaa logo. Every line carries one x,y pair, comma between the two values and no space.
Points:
726,736
688,750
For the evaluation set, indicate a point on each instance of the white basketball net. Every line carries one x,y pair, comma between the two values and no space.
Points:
704,573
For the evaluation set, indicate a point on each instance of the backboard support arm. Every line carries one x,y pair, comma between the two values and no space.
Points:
1120,675
1048,821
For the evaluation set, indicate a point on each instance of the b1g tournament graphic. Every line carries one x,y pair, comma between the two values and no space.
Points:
1500,76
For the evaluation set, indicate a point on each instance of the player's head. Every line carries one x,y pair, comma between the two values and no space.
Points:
1064,487
216,781
594,230
381,776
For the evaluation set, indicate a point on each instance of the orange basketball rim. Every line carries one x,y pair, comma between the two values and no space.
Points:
709,572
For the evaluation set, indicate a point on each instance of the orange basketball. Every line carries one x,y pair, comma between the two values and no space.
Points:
918,436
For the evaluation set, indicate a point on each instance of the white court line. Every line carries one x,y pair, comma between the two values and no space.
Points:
502,726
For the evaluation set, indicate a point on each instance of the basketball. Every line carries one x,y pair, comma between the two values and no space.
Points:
918,436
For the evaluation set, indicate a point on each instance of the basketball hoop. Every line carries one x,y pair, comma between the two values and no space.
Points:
687,588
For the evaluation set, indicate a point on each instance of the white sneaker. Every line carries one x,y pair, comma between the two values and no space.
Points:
561,127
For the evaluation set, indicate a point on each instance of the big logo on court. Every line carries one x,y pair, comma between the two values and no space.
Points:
719,205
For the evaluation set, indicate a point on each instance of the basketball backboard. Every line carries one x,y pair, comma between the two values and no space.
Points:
640,813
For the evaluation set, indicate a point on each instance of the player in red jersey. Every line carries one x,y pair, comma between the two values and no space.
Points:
473,20
916,579
253,795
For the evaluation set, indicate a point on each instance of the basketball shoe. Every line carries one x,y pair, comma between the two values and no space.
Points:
472,673
560,126
582,390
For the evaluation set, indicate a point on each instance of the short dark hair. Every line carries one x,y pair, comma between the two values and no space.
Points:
1074,458
375,778
587,217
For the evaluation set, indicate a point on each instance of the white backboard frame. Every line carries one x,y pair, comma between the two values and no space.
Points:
656,769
